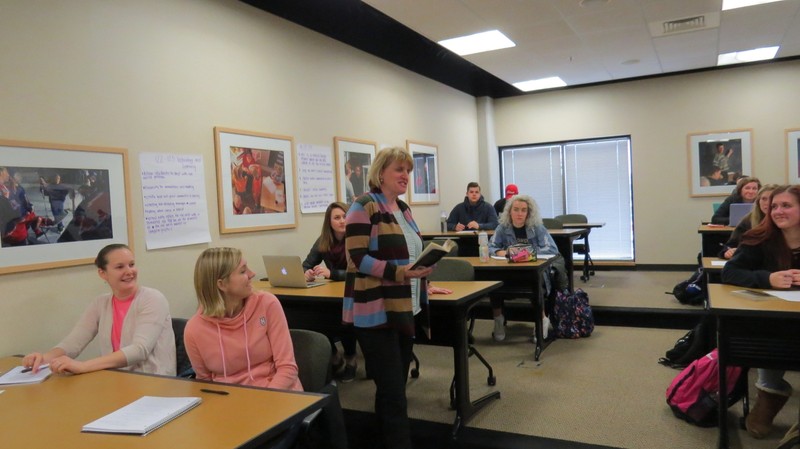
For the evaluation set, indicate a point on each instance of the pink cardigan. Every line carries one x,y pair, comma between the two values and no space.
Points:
253,348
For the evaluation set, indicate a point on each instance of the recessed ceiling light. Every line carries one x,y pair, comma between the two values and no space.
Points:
543,83
477,43
593,3
631,62
733,4
756,54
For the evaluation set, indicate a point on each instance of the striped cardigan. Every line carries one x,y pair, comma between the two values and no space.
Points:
376,294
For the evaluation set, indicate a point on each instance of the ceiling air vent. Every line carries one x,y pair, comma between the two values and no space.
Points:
684,25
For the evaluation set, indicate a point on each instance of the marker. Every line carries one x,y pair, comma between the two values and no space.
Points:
220,392
41,367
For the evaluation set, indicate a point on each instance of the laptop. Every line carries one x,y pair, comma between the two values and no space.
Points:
738,211
287,271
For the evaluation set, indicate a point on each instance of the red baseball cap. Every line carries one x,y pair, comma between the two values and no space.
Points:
511,190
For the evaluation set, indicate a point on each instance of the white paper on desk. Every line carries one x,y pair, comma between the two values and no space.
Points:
545,256
499,257
718,263
786,295
467,232
16,376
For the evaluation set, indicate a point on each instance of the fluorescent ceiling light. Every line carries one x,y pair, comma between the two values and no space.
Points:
477,43
756,54
544,83
733,4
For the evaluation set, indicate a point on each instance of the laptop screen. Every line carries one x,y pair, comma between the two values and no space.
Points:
738,211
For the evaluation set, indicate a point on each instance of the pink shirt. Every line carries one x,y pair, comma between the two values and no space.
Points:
120,307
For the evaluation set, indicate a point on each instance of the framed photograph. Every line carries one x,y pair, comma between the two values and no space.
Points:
425,187
717,159
255,181
60,204
792,156
353,159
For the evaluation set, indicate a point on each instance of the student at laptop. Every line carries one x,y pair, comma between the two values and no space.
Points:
329,248
746,191
132,325
769,257
751,220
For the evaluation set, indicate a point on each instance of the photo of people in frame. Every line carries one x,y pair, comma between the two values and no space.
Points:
356,173
257,178
720,162
424,173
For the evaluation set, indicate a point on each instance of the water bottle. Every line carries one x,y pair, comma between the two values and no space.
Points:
483,246
443,221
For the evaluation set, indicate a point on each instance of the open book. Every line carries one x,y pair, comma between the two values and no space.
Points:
433,253
143,415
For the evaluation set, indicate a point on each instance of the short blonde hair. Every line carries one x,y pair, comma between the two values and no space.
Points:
213,265
385,158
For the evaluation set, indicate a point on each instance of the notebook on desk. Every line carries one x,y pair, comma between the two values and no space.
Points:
287,271
737,212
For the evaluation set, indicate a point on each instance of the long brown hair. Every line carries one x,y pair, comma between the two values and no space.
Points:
756,216
327,237
769,236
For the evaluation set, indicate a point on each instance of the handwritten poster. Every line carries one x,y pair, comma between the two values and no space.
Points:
174,194
317,186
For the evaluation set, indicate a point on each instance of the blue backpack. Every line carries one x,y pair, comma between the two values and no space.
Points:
572,316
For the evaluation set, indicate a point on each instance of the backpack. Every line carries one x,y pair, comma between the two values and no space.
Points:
572,315
693,395
693,291
689,348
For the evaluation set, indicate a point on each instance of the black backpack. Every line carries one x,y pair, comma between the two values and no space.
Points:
695,344
693,291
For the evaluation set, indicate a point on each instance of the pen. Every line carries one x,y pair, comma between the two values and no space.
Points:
28,370
220,392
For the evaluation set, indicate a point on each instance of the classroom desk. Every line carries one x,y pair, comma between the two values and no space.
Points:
713,237
519,280
759,333
320,309
52,413
712,269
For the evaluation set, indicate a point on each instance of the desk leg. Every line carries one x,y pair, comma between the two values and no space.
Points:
465,408
538,309
722,359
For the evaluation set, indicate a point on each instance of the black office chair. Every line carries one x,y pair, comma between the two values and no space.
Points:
183,367
552,223
581,248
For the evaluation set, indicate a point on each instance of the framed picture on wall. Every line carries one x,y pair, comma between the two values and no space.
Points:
717,159
255,181
60,204
425,186
792,156
353,160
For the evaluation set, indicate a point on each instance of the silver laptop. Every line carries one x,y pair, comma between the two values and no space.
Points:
287,271
737,212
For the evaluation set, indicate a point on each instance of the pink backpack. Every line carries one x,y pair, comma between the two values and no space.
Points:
694,393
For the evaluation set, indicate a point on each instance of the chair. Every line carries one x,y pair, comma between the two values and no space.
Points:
183,367
552,223
581,248
715,206
312,353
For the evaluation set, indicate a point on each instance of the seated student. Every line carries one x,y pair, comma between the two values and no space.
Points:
329,247
511,190
133,323
751,220
474,213
745,192
769,257
521,223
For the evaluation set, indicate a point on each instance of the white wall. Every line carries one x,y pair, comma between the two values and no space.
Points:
157,76
658,114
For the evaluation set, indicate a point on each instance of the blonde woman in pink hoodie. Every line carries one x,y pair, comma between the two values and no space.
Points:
238,335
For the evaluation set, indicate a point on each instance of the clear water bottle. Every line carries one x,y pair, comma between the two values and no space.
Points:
483,246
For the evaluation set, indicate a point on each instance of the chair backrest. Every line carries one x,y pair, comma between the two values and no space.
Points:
552,223
183,367
453,270
572,218
312,353
715,206
453,251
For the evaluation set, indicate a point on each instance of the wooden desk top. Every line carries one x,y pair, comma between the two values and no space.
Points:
496,264
578,229
585,225
52,413
722,301
711,229
455,234
570,232
708,266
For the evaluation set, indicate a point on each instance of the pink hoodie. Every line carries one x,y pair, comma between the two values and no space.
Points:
252,348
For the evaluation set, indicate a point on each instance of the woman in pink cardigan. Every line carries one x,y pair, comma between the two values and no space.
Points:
237,335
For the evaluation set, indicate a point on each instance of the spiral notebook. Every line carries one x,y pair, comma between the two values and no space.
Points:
143,415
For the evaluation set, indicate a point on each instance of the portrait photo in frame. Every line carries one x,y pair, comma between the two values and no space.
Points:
61,204
793,156
716,159
255,181
424,188
353,160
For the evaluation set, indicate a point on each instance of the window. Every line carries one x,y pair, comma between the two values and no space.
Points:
589,177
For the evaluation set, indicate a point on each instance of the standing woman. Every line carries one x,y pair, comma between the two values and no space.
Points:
329,248
746,191
769,257
382,296
761,208
133,324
